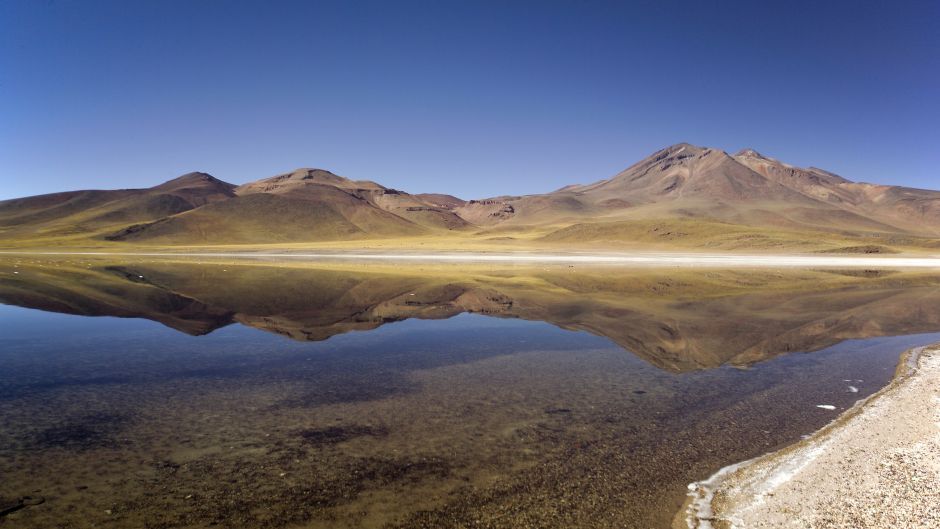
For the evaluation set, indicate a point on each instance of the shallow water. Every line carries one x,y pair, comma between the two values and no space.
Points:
237,394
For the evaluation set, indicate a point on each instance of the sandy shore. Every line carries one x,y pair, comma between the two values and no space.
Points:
629,259
877,466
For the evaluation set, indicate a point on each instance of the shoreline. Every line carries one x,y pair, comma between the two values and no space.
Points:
622,259
876,465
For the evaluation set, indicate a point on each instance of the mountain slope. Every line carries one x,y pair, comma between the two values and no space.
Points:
310,184
686,182
89,212
303,205
252,219
682,181
196,208
683,195
903,208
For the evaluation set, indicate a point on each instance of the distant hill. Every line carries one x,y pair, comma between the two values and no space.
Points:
682,195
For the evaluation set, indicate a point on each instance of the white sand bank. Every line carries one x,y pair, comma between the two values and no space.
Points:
634,259
877,466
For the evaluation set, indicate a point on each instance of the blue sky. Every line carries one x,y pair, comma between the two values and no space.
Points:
471,98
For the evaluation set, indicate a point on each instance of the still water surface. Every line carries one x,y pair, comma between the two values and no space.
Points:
229,394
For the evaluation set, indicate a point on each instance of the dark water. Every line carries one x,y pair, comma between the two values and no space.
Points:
255,395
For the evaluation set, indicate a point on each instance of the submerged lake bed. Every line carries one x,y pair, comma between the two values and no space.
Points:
262,394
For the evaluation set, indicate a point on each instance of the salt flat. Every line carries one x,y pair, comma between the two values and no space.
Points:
627,259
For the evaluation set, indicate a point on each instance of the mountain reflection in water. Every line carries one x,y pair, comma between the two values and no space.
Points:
677,320
482,409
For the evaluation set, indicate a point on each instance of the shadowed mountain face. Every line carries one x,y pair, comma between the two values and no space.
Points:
683,194
677,321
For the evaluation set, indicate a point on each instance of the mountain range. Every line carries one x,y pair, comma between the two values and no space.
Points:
683,195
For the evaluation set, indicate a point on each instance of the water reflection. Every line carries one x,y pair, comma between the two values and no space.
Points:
442,415
677,320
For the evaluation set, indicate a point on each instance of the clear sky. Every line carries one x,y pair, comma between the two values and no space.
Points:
471,98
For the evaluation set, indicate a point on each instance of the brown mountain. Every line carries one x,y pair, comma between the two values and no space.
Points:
683,195
901,208
318,185
689,182
303,205
85,213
